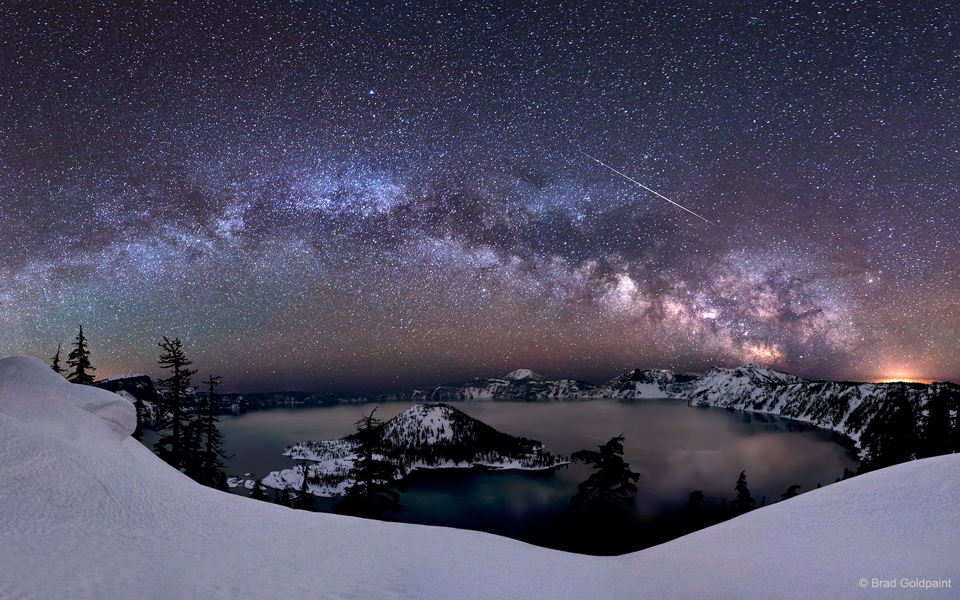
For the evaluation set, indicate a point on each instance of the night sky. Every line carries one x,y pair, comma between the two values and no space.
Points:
375,195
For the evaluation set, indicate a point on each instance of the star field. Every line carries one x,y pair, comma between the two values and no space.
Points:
372,195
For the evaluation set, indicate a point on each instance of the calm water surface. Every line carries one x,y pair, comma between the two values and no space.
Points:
675,448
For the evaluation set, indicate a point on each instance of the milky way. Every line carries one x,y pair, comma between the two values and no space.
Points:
350,195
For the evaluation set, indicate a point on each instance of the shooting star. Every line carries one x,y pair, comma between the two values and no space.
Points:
654,192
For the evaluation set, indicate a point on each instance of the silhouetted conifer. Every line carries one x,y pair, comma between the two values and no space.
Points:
171,447
372,494
209,446
597,521
612,482
744,502
306,498
79,360
55,365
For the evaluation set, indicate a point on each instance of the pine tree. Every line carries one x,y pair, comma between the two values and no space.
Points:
372,493
307,501
206,446
79,359
612,483
56,361
171,447
744,502
597,520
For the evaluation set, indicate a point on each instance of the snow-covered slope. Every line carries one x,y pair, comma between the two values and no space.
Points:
423,436
86,512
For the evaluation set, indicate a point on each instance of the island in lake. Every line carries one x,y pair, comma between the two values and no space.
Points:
425,436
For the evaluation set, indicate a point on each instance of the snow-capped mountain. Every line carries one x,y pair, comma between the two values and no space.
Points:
423,436
521,374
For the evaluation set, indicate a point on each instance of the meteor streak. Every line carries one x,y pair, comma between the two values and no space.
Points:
656,193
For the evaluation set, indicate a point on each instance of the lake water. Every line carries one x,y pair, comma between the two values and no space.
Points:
675,448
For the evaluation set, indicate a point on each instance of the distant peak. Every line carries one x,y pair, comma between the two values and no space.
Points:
521,374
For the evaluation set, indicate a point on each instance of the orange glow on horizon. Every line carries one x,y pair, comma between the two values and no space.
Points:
895,378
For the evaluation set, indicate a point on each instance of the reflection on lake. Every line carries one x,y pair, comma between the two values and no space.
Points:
675,448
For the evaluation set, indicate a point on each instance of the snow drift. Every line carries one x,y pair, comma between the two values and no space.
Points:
88,512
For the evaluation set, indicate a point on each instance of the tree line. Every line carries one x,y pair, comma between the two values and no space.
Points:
192,444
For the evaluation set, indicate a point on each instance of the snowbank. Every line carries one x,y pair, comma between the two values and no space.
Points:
86,512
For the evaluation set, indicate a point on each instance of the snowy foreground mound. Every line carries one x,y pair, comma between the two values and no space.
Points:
88,512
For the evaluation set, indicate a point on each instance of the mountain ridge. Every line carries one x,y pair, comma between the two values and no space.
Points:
841,406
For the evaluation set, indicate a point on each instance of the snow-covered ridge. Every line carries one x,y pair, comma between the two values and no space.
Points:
844,407
88,513
423,436
515,386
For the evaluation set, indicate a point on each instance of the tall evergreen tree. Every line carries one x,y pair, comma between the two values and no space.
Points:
612,482
307,501
79,360
55,365
372,494
744,502
597,520
172,446
204,444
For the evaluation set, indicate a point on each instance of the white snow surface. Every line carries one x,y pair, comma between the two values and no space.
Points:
88,512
